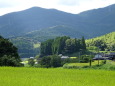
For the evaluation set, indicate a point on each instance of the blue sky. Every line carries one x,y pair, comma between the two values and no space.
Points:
71,6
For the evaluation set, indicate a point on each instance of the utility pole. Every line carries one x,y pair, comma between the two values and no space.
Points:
90,61
98,56
79,56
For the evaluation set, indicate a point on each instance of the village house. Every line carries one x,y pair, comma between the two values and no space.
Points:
98,57
112,56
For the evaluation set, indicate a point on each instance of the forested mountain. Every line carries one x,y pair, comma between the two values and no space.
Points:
29,27
26,44
33,19
105,42
53,32
90,24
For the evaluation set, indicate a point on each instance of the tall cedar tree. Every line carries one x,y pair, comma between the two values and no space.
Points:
83,44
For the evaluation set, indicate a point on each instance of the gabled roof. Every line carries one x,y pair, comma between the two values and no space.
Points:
112,53
64,57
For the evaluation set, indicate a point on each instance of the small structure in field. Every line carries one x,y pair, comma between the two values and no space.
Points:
64,57
31,57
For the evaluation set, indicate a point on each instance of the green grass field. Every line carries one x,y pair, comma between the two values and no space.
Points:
10,76
82,64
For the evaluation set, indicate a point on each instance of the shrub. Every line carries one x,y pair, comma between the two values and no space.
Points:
9,61
50,61
31,62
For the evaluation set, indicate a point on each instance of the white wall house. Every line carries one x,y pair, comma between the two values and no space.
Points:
98,56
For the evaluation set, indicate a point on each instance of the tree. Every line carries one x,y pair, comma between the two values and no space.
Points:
55,61
83,44
9,61
101,44
45,62
59,45
51,61
46,47
70,45
62,45
31,62
8,53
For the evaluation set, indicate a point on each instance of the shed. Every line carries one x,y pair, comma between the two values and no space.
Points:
112,56
98,56
64,57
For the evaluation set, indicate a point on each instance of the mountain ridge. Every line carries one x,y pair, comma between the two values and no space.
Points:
98,22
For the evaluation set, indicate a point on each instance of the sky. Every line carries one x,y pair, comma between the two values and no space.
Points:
71,6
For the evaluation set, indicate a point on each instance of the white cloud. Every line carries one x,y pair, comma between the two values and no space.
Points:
72,6
69,2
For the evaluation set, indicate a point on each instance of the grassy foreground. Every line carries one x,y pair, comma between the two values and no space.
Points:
10,76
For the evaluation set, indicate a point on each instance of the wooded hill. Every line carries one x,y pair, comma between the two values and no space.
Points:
26,47
105,42
62,45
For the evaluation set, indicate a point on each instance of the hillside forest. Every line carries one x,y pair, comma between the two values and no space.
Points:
62,45
104,43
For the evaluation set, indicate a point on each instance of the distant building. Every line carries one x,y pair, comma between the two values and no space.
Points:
36,62
64,57
31,57
112,56
60,55
98,57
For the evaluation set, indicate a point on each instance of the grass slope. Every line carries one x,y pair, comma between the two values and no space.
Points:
55,77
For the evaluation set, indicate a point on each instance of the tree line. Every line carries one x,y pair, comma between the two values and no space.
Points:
62,45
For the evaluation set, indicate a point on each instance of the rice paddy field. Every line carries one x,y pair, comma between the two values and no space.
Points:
22,76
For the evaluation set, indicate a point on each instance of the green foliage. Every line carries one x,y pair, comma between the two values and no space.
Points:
85,58
9,61
93,49
31,62
55,61
45,61
37,56
46,47
26,47
70,46
62,45
59,45
69,60
51,61
105,42
83,45
8,53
